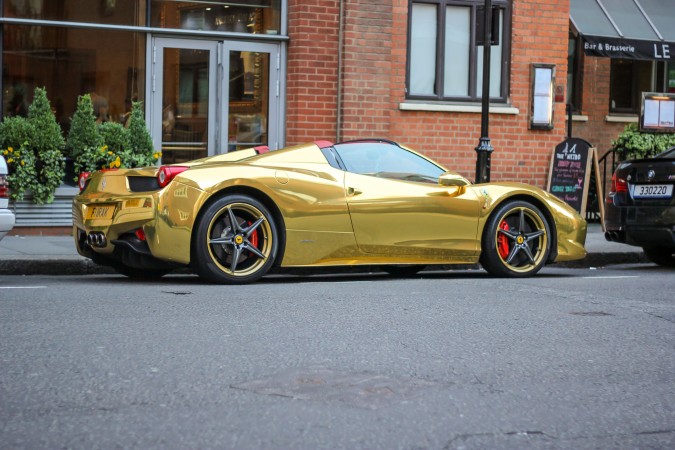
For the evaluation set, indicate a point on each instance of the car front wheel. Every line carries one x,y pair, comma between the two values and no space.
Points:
235,241
516,240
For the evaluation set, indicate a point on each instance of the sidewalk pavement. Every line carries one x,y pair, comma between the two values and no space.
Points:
56,255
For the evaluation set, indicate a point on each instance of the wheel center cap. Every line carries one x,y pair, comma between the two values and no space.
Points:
238,239
520,240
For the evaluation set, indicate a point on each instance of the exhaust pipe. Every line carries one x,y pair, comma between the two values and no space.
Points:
96,239
615,236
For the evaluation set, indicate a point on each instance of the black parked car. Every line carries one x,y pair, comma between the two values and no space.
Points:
640,207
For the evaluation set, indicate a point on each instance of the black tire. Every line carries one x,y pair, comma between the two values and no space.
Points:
402,271
661,256
516,240
227,254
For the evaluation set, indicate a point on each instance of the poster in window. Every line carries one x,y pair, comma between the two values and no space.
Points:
541,95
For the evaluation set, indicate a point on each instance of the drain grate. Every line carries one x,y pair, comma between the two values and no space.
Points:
362,390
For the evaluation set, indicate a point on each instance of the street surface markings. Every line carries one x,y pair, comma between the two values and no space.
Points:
614,277
23,287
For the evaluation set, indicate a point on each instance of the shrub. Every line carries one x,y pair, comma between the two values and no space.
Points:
16,134
109,145
116,144
84,140
634,144
32,147
141,149
47,145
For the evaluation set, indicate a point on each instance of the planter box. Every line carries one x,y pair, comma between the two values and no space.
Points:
56,214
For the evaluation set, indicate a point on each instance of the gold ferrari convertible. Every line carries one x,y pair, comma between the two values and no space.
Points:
234,217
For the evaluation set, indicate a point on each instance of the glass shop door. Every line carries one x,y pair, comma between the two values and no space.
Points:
184,89
250,105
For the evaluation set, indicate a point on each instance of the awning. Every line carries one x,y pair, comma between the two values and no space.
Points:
629,29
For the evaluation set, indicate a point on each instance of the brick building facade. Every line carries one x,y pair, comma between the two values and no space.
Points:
351,84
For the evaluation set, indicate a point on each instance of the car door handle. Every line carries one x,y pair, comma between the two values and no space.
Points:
353,191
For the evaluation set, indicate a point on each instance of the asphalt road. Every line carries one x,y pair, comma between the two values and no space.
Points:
572,358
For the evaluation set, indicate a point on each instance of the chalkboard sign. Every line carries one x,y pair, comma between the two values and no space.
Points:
570,172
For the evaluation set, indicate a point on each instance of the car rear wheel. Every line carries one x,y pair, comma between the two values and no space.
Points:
235,241
516,240
661,256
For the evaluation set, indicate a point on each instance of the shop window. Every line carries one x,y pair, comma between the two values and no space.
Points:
70,62
111,12
630,78
574,72
443,61
242,16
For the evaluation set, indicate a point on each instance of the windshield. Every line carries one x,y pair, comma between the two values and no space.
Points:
386,160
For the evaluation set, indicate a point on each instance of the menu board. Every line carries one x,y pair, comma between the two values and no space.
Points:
570,172
658,112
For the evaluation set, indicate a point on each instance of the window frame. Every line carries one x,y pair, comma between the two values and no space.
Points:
635,92
441,8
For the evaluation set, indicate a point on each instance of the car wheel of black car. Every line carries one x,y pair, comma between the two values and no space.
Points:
515,240
235,241
661,256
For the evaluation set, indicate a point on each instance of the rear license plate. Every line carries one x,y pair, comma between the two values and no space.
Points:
100,212
133,203
652,190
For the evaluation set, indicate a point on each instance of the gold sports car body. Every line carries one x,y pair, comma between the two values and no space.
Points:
232,218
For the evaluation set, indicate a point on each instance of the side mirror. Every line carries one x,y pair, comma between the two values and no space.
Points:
452,179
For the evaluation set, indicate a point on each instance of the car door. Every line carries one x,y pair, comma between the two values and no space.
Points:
397,206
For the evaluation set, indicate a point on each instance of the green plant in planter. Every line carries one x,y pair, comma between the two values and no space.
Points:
47,144
634,144
116,142
15,136
141,151
84,140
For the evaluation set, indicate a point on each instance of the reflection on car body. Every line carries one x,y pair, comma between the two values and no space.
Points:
234,217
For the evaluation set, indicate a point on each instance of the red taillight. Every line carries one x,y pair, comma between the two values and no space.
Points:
618,185
4,187
168,173
82,180
140,234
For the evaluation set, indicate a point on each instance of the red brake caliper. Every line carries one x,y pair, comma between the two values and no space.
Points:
503,241
254,237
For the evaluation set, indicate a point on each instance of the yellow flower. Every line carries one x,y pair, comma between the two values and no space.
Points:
4,152
10,149
10,161
23,163
110,153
